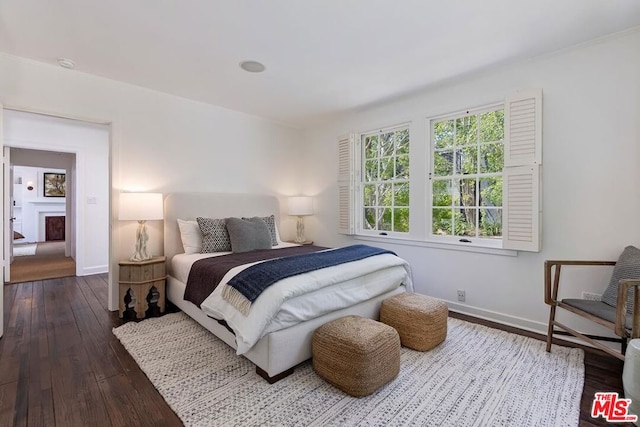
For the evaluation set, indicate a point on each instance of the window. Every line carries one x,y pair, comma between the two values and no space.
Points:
467,152
384,188
476,179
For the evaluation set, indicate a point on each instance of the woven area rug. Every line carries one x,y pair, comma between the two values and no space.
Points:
478,377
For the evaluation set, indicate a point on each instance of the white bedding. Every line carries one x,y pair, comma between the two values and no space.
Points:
300,298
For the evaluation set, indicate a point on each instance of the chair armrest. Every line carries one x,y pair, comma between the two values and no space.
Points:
621,307
551,293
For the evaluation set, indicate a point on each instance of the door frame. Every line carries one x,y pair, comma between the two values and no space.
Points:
113,179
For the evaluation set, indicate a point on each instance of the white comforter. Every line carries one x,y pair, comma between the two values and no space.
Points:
306,296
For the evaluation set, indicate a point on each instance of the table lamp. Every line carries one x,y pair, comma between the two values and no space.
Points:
300,206
141,207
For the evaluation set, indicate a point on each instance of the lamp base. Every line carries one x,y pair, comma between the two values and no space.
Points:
142,237
300,231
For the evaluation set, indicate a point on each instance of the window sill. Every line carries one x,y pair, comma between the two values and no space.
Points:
439,245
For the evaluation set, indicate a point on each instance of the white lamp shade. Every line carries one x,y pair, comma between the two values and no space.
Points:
300,206
140,206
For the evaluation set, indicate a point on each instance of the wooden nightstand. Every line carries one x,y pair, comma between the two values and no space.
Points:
142,288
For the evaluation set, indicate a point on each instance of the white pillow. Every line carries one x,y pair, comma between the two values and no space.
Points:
191,236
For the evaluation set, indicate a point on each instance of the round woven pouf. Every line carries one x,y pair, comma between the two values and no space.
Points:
421,321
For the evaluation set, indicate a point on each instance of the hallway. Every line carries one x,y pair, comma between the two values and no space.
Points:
48,262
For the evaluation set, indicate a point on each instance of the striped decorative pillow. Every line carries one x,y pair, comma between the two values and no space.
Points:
627,267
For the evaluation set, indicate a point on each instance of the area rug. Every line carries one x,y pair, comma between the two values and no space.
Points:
24,249
478,377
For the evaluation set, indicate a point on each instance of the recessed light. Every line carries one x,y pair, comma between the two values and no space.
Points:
66,63
252,66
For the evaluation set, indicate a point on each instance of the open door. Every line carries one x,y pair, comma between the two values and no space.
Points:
7,212
6,256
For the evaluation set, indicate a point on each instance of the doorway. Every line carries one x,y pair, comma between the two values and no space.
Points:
42,186
72,179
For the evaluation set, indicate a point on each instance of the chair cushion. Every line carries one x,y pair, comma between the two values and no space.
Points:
598,309
627,267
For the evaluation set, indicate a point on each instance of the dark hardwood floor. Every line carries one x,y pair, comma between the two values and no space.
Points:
60,364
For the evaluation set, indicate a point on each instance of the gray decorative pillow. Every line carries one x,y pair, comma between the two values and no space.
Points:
248,234
215,237
627,267
271,225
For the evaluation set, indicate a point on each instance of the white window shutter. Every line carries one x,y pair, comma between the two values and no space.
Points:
523,128
521,208
346,184
521,174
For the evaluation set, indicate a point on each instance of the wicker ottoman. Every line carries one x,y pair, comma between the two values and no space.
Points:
420,320
356,354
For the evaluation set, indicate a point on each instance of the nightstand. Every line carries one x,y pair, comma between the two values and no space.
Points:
142,292
306,242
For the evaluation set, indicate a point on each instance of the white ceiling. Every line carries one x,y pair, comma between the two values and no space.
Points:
322,56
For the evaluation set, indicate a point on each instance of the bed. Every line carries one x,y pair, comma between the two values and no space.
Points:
277,352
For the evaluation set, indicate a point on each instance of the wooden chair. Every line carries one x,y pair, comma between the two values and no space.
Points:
625,325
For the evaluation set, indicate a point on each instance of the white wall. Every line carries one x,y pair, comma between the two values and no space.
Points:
89,143
160,142
591,175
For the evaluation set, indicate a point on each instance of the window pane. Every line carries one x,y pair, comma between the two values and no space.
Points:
401,220
441,221
401,197
491,191
369,222
384,222
443,163
371,170
468,192
384,180
466,130
491,158
386,144
369,197
386,168
492,126
467,160
443,134
465,222
402,141
441,192
467,146
490,223
402,167
371,147
385,195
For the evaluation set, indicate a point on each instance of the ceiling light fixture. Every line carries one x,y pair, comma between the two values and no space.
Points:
66,63
252,66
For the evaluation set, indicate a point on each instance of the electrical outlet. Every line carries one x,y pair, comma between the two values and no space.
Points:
461,295
591,296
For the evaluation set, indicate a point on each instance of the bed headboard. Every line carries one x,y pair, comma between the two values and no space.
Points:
211,205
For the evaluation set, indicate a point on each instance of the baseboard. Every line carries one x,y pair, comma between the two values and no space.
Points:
88,271
521,323
494,316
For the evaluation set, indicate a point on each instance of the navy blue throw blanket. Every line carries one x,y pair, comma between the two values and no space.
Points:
252,281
